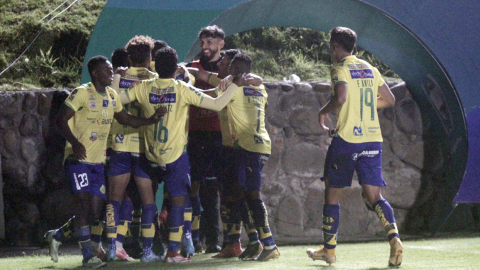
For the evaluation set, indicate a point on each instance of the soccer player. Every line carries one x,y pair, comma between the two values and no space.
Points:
359,91
55,237
246,119
127,144
234,209
84,121
165,156
204,149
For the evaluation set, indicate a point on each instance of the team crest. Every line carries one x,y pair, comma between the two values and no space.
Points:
93,105
105,103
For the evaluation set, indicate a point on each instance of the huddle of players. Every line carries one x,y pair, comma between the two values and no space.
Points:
164,103
157,151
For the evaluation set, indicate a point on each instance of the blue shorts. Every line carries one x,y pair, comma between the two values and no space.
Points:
125,162
343,158
85,177
175,175
205,151
249,167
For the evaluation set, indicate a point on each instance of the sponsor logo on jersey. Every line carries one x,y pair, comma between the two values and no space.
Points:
93,136
114,103
371,153
362,74
72,95
105,103
358,66
105,112
162,91
252,92
357,131
160,99
92,120
119,138
104,121
126,83
103,136
93,105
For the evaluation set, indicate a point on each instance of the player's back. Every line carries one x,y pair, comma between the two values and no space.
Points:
358,118
246,118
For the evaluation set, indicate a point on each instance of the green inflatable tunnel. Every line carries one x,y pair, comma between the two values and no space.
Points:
425,43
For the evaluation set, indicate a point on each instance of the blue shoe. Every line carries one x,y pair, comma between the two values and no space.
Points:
149,256
188,250
110,254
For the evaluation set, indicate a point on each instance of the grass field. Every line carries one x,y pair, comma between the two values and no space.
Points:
435,253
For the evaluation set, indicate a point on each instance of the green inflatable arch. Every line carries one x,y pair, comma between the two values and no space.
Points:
381,33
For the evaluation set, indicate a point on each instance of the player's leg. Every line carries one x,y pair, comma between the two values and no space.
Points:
254,246
149,211
119,173
369,170
188,249
231,210
55,237
196,215
177,182
338,173
125,219
250,175
88,183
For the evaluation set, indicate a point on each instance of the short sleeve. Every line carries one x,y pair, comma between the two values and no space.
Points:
190,94
76,99
379,76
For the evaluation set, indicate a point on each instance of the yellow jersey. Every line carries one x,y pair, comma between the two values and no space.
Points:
126,138
92,120
357,118
246,119
165,141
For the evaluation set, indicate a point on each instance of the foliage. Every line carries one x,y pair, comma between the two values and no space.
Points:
55,58
281,51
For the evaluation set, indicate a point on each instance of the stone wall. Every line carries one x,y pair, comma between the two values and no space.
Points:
37,196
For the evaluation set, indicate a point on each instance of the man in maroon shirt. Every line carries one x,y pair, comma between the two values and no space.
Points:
205,147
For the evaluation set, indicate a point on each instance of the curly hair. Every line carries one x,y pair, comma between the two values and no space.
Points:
139,49
166,60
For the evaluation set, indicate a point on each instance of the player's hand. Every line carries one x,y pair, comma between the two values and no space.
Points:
253,79
242,80
79,151
321,120
121,70
181,69
225,83
158,115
